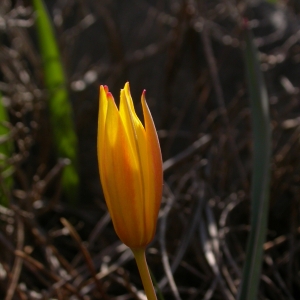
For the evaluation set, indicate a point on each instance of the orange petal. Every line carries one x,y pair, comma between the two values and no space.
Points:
121,180
155,180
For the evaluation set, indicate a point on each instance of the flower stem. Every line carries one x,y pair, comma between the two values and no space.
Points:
140,258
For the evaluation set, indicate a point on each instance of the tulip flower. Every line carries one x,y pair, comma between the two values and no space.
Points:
130,168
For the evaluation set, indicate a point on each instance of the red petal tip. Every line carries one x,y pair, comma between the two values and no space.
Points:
109,96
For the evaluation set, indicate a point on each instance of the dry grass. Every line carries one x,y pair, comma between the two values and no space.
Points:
188,55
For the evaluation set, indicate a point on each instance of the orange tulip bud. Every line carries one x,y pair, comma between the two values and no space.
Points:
130,166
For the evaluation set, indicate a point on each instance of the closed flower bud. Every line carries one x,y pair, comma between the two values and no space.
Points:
130,167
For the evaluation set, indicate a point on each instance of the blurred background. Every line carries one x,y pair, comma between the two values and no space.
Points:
189,56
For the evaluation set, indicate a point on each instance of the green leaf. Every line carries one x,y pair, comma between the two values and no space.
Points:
261,172
6,150
59,105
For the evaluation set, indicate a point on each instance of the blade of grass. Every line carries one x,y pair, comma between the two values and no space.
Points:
6,149
157,289
261,171
59,106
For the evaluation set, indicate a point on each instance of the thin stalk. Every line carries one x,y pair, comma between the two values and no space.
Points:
140,258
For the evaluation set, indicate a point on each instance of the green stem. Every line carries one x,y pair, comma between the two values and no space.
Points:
140,258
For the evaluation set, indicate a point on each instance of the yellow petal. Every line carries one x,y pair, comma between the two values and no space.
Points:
155,179
134,128
122,180
126,117
101,119
102,111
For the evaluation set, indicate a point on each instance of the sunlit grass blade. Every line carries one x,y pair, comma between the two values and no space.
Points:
6,150
261,171
59,106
